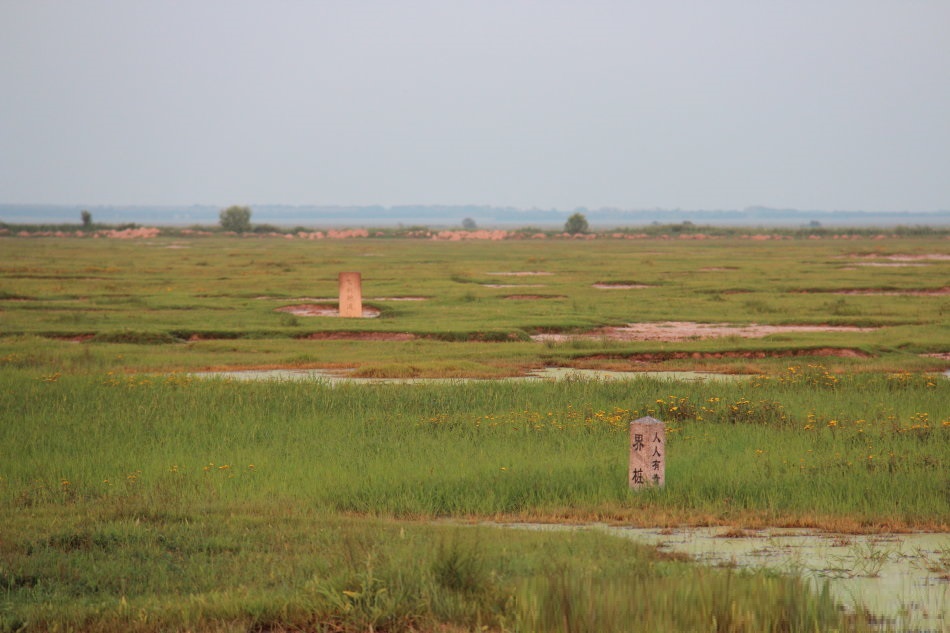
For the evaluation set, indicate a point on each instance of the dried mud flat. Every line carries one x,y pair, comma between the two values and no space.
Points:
533,297
888,265
927,257
672,331
359,336
400,299
662,357
524,273
897,260
938,292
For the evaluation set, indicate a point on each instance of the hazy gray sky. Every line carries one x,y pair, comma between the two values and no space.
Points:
831,104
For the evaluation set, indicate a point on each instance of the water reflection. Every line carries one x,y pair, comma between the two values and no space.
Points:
903,578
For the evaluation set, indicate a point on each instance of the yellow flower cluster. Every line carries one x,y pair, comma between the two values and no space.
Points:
919,424
815,375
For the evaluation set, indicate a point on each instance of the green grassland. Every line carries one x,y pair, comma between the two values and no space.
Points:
207,302
137,497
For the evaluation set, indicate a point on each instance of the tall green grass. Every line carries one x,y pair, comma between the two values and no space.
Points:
806,446
148,503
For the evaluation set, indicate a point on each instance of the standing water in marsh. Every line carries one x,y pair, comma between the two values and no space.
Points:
902,579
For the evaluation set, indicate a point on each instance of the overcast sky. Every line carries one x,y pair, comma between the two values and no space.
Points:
695,104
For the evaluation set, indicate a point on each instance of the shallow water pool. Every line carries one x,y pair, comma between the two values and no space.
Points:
902,578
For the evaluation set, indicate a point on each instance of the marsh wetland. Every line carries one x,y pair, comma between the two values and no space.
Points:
138,496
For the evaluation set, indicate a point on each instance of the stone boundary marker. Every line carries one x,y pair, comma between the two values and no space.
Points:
351,295
647,453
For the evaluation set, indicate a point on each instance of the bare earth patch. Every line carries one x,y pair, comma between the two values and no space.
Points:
533,297
513,285
400,298
687,330
360,336
520,274
322,310
661,357
306,299
934,257
80,338
938,292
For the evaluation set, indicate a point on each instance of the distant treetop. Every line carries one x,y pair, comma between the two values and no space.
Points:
575,224
236,218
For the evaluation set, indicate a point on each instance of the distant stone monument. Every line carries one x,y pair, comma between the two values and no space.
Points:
647,453
351,295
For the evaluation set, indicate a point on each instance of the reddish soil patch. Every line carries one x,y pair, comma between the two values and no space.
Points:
308,299
938,257
513,285
939,292
654,357
400,298
940,355
72,338
533,297
931,257
322,310
716,269
610,286
520,274
686,330
359,336
890,264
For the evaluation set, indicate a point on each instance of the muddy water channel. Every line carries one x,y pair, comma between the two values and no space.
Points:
904,579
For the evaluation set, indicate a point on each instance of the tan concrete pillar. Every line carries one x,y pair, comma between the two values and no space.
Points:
647,453
351,295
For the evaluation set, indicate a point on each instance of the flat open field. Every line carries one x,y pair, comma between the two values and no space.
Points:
472,308
139,497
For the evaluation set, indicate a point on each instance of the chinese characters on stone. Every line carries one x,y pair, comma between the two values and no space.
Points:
647,453
351,295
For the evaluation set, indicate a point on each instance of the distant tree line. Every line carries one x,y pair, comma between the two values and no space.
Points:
237,219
